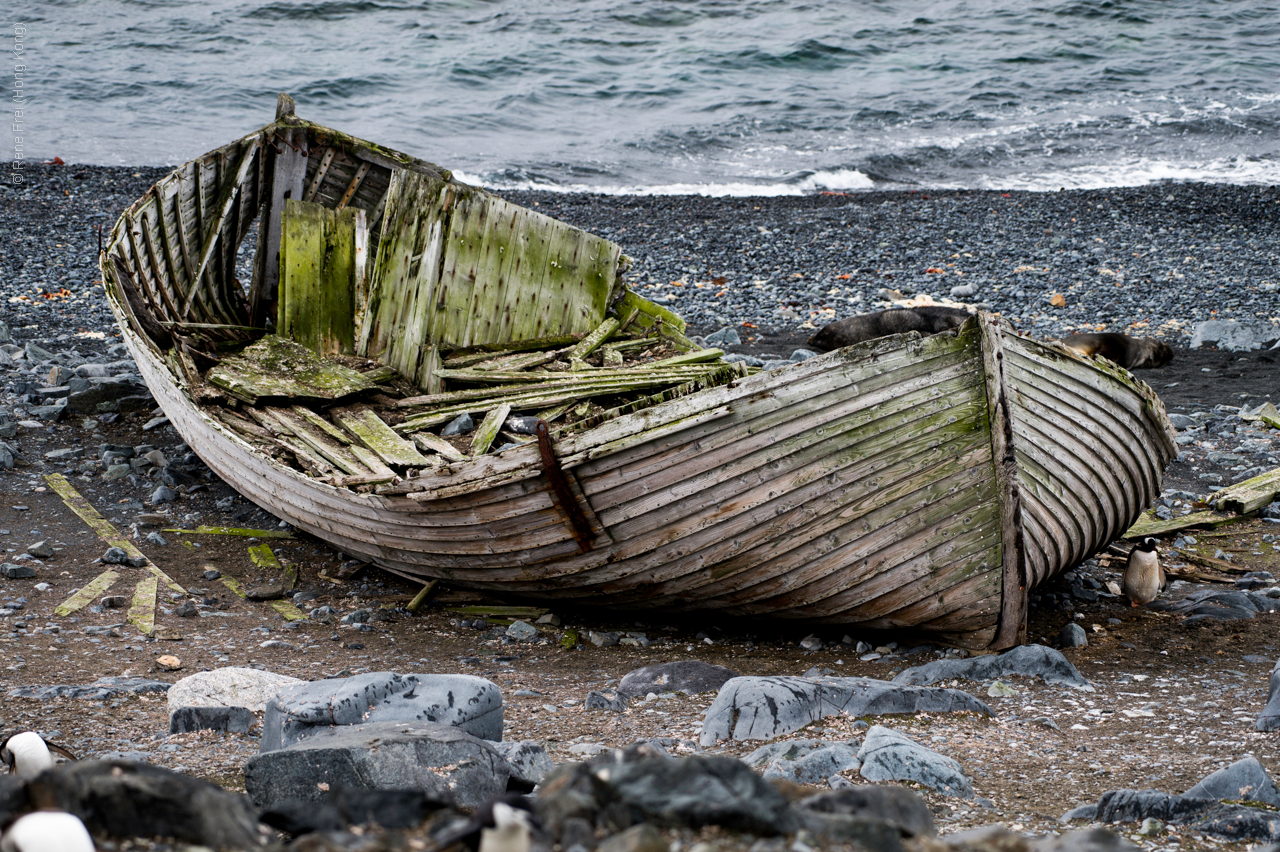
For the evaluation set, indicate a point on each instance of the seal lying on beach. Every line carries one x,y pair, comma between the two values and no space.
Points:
927,319
1132,353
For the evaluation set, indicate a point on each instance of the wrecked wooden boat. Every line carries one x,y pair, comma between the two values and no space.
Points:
927,483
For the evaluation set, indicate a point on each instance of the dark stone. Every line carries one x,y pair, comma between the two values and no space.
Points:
442,761
1246,780
898,806
1072,635
128,800
688,676
272,590
529,761
1236,822
1137,805
186,609
114,556
597,700
1269,718
347,806
12,571
231,720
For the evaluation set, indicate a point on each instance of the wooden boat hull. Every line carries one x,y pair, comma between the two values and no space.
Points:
928,483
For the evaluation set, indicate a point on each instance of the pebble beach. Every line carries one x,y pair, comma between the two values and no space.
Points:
1157,700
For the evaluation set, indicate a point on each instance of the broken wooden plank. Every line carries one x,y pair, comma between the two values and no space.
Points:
242,532
335,453
97,586
365,425
488,429
1148,525
1214,562
288,610
320,423
274,367
435,444
1248,496
428,591
595,339
486,351
380,375
318,276
142,614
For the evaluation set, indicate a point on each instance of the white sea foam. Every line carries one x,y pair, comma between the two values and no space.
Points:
837,180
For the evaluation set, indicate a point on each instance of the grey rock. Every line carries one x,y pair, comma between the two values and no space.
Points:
597,700
440,760
637,838
687,676
1233,336
102,688
157,539
799,355
898,806
232,686
1072,635
460,425
12,571
99,391
602,639
529,761
1094,839
163,494
887,755
804,761
522,631
1269,718
229,720
128,800
727,336
1137,805
1182,421
115,556
41,550
761,708
302,710
1214,605
270,590
1026,660
1246,780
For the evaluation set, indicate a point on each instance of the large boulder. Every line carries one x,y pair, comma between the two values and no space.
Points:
127,800
688,676
804,761
1026,660
232,686
1246,780
761,708
442,761
896,805
472,704
887,755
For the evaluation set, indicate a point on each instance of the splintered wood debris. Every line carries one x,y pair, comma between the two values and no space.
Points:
355,423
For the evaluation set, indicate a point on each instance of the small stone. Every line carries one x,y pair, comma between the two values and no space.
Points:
166,634
812,642
163,494
271,590
522,631
460,425
186,610
115,556
41,550
1000,689
42,587
115,602
156,538
17,572
212,574
602,640
1151,827
1073,636
168,663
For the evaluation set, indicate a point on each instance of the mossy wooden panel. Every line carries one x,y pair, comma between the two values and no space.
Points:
406,272
318,272
276,367
513,274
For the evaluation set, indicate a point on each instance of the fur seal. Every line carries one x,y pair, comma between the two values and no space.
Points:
927,319
1143,577
1132,353
27,754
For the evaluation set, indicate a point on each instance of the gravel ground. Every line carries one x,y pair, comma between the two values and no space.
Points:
1154,261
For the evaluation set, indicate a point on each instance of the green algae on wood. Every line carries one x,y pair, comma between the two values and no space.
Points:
97,586
1249,495
365,425
243,532
275,367
488,429
320,272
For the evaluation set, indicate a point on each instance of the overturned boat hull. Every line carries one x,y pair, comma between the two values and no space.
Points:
928,483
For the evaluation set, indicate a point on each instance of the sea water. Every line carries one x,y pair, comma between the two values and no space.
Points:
708,96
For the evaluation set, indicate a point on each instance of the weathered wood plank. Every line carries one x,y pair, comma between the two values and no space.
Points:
274,367
1248,496
288,168
435,444
97,586
365,426
488,429
1150,525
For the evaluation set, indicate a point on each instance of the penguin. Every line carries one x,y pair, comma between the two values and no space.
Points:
27,754
47,831
1143,577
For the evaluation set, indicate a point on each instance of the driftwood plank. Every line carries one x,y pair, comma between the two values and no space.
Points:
1249,495
1149,525
275,367
435,444
329,449
488,429
365,425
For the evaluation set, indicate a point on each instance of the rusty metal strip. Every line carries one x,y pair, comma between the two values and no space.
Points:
564,498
